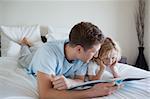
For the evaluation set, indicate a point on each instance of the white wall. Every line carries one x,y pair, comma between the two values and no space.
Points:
147,34
114,17
0,13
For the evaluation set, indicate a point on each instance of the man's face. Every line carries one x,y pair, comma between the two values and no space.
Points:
87,55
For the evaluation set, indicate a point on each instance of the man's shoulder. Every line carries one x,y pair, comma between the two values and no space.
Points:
56,47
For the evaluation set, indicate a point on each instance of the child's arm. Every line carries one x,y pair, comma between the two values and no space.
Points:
113,70
97,76
99,73
115,74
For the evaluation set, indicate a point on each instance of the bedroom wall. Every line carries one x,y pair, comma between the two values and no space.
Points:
114,17
0,13
147,33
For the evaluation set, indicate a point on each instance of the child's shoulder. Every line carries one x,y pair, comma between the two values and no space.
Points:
92,63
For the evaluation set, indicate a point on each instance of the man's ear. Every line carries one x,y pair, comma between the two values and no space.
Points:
79,49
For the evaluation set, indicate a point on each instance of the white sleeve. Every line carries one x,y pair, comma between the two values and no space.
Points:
92,68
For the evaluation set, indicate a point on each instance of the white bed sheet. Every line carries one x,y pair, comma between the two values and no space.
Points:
15,83
133,89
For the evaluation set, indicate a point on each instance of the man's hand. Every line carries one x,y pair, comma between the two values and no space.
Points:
103,89
60,82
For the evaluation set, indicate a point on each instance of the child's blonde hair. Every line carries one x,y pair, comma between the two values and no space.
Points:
107,46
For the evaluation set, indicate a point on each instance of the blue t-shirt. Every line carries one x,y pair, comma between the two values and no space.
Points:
50,59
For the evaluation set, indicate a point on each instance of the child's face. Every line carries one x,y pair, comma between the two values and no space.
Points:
110,57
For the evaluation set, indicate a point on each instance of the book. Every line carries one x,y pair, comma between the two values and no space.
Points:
89,84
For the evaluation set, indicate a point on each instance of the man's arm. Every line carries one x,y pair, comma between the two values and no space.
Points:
46,90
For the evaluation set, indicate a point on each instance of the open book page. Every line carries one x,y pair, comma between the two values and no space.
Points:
89,84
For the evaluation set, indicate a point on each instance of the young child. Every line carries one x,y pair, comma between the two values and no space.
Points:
104,66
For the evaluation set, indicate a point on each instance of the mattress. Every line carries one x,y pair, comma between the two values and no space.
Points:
15,83
134,89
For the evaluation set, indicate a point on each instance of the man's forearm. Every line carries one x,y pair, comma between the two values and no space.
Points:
101,89
46,90
69,94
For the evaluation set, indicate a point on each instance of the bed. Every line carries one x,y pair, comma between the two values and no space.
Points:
15,83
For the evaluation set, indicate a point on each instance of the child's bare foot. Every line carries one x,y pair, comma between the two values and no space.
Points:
24,41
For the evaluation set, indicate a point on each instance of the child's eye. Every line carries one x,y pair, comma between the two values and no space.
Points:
113,57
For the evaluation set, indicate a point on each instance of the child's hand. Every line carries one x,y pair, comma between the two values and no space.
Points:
113,70
113,65
101,63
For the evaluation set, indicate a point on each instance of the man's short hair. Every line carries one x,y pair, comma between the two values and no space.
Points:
85,34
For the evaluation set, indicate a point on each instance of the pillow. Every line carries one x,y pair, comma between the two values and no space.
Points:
14,49
59,36
11,35
57,33
16,33
46,32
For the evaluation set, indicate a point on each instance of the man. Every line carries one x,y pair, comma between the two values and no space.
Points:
59,65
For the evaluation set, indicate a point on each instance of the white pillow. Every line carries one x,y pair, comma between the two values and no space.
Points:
14,49
13,34
60,36
58,33
17,33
